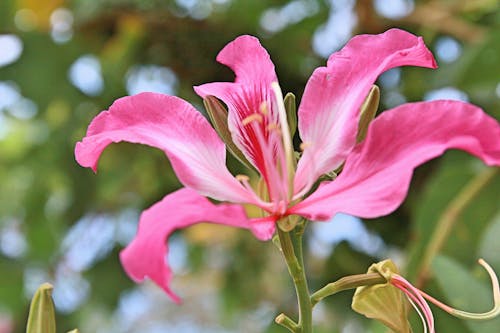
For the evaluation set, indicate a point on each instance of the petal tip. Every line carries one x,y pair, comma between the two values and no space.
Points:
200,91
431,61
173,296
83,159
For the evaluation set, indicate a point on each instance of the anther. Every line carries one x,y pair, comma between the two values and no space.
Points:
263,108
304,145
252,117
242,178
274,127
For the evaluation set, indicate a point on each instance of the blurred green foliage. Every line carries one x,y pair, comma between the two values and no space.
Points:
229,280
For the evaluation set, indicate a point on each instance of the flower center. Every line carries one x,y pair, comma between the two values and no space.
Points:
272,137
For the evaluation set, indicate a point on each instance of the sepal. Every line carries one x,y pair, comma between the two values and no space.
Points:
368,111
218,117
291,113
383,302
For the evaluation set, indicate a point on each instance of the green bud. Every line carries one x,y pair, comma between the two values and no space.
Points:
368,111
218,116
291,113
383,302
41,318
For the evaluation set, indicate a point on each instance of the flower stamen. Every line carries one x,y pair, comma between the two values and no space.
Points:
274,127
251,118
242,178
304,145
263,108
418,299
286,138
245,181
469,315
424,323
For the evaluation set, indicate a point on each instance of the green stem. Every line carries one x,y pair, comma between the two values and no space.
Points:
296,270
286,322
345,283
447,221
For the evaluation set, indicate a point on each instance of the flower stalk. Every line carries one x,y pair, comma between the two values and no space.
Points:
297,272
346,283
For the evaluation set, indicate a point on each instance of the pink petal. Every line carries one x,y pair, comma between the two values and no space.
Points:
377,174
329,111
145,255
249,61
254,74
171,124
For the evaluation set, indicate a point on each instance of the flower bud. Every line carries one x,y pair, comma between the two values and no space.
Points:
41,318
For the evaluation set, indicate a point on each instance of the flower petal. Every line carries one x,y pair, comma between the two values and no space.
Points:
254,74
173,125
377,174
145,255
329,111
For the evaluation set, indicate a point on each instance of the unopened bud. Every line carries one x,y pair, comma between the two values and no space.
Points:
41,318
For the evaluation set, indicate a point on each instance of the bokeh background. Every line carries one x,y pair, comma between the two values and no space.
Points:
62,61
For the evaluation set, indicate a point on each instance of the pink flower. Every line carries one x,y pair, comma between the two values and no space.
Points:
376,172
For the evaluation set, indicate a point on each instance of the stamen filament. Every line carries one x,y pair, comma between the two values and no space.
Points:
471,315
244,180
251,118
287,140
415,295
418,299
272,173
424,323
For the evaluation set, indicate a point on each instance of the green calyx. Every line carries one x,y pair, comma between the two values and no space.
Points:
383,302
291,113
288,223
218,117
368,111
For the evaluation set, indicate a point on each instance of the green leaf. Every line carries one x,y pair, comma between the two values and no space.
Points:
42,315
455,171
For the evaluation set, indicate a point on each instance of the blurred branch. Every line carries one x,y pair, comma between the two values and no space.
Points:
448,218
445,19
